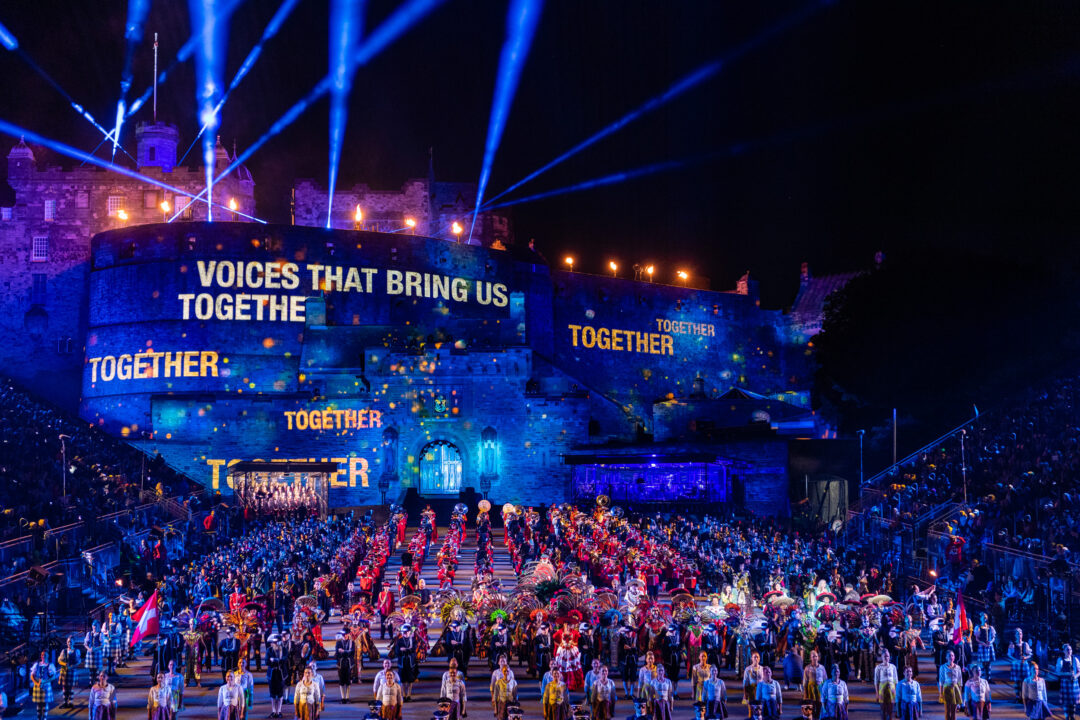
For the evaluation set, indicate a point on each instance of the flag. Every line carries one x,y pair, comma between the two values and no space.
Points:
960,623
146,620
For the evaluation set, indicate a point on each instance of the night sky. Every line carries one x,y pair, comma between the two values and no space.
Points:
907,127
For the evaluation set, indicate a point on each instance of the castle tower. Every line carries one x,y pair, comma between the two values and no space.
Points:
156,145
21,163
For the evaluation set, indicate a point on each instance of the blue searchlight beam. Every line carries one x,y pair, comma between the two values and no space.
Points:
345,19
521,21
209,80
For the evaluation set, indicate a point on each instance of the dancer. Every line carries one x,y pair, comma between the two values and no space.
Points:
950,685
1036,701
602,696
977,695
390,697
1019,662
306,698
175,681
345,655
42,675
275,674
102,702
813,679
159,700
1068,669
715,695
453,689
908,697
834,697
230,698
885,685
503,688
68,660
768,693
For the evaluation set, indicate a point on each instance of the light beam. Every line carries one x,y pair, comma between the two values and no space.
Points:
407,15
521,21
690,81
209,71
271,30
68,151
345,19
133,33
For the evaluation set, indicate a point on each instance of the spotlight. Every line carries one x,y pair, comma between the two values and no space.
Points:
649,271
614,268
409,222
683,276
165,208
122,215
233,204
570,261
457,229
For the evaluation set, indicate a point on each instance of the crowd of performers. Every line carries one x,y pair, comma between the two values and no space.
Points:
666,606
268,498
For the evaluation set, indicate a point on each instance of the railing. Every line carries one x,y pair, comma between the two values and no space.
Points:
16,548
892,470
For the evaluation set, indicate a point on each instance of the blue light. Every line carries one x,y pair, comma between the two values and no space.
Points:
521,21
7,39
133,32
688,82
344,35
249,62
63,149
391,29
209,80
183,56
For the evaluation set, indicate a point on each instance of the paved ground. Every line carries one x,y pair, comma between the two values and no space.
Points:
132,682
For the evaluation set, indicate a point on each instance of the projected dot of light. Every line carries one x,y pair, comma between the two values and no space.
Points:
521,21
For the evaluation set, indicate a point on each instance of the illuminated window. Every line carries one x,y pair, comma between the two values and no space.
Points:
37,291
115,204
50,210
39,250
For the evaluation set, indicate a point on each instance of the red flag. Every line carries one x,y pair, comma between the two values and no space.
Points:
960,623
146,620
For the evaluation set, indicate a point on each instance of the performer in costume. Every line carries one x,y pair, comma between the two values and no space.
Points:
908,697
246,682
345,656
568,662
159,700
276,673
1068,669
306,697
628,659
950,685
768,694
699,677
230,699
453,689
753,674
408,665
102,702
977,695
555,699
985,644
1019,662
1036,701
68,660
390,697
715,695
885,686
835,697
175,681
42,675
813,678
503,688
602,696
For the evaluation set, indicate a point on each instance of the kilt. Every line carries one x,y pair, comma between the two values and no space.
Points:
66,676
42,692
985,654
117,649
1070,692
107,645
1019,670
93,660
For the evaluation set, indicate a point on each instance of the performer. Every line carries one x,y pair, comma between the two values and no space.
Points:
663,695
554,698
405,650
627,659
1019,662
835,697
42,675
672,654
866,650
68,660
306,698
246,682
950,685
699,677
230,698
752,675
275,673
602,696
715,695
885,686
646,677
1036,702
390,697
193,647
768,694
541,650
910,643
908,697
384,605
977,695
985,645
345,655
568,661
380,679
503,688
590,677
93,658
175,681
159,700
320,682
813,679
453,688
1068,669
499,642
102,702
456,641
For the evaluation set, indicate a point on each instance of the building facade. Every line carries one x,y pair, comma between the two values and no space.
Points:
45,245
